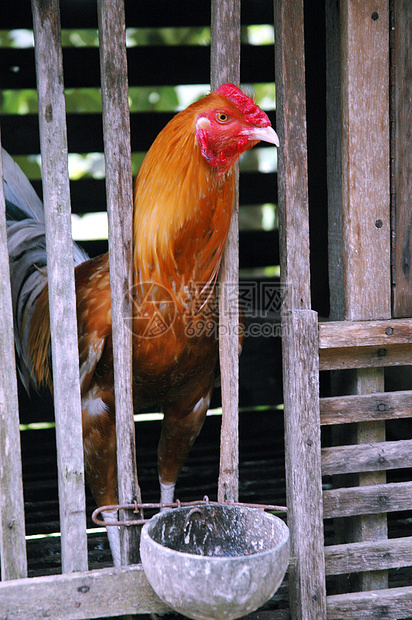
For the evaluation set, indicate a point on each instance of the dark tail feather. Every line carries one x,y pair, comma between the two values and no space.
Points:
27,252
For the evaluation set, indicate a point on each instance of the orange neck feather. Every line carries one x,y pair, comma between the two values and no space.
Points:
182,209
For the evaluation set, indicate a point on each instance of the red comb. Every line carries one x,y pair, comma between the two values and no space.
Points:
252,113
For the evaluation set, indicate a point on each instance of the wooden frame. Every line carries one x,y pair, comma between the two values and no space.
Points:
360,199
363,337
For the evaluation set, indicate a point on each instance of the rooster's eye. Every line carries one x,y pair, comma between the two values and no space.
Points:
222,117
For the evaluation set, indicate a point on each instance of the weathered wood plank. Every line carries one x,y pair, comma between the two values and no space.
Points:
302,455
60,270
300,342
366,208
365,157
12,522
292,155
374,499
361,172
367,457
365,357
402,155
272,614
391,604
108,591
119,190
365,407
352,244
225,67
369,555
338,334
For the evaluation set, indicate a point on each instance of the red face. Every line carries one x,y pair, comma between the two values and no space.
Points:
224,133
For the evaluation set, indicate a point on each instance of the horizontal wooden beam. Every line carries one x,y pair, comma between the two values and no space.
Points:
374,499
341,334
365,407
112,591
377,356
391,604
367,457
369,555
365,344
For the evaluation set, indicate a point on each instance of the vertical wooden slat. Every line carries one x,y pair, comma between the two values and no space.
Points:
299,324
119,188
225,67
402,171
365,206
292,155
365,159
66,386
300,345
12,526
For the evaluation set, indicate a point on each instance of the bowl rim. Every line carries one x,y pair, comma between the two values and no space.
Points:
145,534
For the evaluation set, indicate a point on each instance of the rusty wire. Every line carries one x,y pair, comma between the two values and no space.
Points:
177,504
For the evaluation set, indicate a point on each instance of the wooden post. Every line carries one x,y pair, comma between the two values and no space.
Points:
307,592
12,528
119,188
402,156
225,67
365,159
359,219
366,217
60,270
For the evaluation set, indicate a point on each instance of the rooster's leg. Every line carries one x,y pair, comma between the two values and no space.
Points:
181,425
99,440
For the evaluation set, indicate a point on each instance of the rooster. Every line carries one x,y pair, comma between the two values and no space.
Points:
183,203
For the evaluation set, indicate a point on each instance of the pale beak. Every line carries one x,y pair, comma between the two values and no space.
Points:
267,134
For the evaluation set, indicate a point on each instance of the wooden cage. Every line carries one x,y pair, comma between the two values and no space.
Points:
343,114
